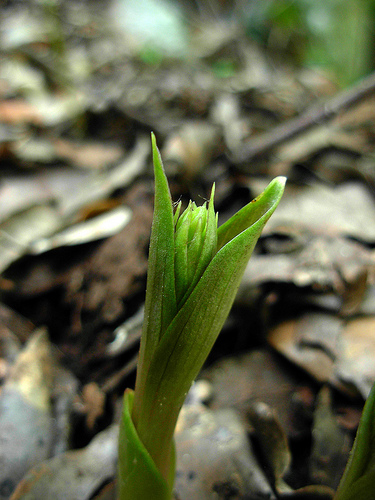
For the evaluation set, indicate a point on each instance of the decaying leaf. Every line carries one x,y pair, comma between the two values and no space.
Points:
316,255
126,334
329,349
191,148
17,233
95,156
74,474
26,420
257,377
101,226
77,105
331,444
18,193
215,458
271,438
101,184
313,359
355,365
345,210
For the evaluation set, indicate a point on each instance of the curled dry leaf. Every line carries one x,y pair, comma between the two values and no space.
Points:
272,439
191,148
328,211
321,263
101,184
88,155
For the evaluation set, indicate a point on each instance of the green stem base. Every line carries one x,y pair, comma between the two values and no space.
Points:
139,478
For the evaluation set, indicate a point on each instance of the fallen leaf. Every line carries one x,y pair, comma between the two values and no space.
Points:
74,474
18,111
26,420
258,376
88,155
18,232
331,444
215,458
331,350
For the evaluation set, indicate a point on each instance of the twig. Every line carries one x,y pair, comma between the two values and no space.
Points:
116,380
312,117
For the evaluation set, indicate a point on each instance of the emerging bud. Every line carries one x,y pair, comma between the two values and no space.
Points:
195,245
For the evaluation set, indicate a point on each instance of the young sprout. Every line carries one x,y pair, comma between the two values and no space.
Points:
194,272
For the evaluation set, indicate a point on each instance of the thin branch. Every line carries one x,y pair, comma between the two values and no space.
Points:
314,116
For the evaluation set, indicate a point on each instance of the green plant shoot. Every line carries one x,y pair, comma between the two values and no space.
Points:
194,272
358,480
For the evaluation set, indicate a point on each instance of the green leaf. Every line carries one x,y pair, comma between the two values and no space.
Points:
160,304
250,213
358,481
139,478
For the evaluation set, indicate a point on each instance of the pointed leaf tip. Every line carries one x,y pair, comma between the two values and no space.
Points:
281,179
261,207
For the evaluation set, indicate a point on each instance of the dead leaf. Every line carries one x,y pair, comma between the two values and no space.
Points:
18,111
347,209
256,377
26,421
355,364
272,439
215,458
102,226
330,350
319,264
88,155
92,404
191,148
18,232
74,474
331,444
313,359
